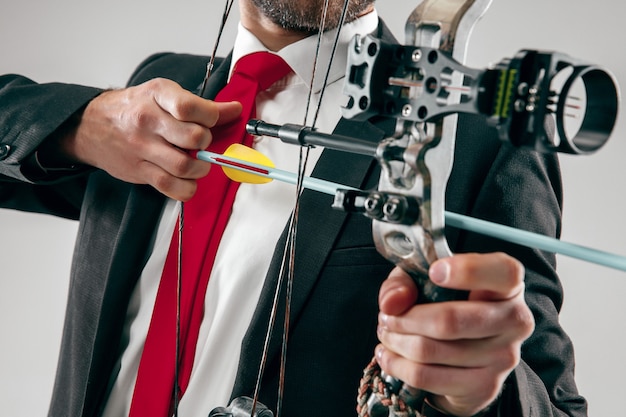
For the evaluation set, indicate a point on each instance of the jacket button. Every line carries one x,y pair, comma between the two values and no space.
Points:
4,151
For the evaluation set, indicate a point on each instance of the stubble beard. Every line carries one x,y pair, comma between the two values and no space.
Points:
304,16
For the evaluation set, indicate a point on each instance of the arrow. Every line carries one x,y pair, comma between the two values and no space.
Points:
243,164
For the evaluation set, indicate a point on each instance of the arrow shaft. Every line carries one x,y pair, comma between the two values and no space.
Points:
507,233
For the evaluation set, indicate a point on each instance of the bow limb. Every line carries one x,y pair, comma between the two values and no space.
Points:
445,24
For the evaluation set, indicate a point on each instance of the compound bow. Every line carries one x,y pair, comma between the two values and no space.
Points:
423,85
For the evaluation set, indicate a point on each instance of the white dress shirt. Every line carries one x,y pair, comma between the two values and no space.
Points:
258,217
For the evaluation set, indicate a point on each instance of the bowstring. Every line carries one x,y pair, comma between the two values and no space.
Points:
181,218
342,20
288,260
290,248
302,164
179,287
209,68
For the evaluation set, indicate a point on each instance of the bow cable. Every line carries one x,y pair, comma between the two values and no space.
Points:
181,216
288,260
289,250
209,68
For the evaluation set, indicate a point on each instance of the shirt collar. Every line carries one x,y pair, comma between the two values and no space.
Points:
300,56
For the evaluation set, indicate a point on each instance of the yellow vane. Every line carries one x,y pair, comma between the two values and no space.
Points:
246,154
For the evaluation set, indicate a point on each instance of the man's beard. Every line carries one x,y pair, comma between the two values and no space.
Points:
304,16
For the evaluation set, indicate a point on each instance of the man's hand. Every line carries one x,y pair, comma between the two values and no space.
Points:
141,134
460,351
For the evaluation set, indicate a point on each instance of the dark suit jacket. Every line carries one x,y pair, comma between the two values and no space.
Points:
338,270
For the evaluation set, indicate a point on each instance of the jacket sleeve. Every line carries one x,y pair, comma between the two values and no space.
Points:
29,114
520,188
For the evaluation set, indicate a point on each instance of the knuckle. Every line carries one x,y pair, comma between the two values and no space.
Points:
198,137
523,319
188,192
449,322
514,268
149,89
141,117
170,186
183,109
184,193
417,376
162,181
182,165
156,84
509,358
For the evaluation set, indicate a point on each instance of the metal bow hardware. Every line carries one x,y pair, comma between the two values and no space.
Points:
529,99
423,85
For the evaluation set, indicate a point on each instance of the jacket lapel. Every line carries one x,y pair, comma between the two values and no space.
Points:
119,242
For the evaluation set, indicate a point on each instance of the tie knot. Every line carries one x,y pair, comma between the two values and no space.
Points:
264,67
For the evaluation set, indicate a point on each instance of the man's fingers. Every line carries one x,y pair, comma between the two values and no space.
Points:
458,320
465,387
185,106
460,350
174,187
426,350
398,293
227,112
495,276
192,128
142,134
436,378
186,119
176,162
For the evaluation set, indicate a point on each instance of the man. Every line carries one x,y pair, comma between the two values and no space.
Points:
89,155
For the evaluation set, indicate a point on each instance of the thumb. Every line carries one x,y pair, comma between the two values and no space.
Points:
227,111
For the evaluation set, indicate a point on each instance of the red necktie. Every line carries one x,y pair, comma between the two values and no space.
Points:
206,216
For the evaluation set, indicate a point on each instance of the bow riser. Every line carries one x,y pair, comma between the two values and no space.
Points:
393,80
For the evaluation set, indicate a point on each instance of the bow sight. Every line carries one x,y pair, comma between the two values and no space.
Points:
519,96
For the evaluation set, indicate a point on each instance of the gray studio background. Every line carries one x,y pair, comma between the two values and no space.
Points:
99,43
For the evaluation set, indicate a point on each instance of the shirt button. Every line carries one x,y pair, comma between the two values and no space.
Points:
4,151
